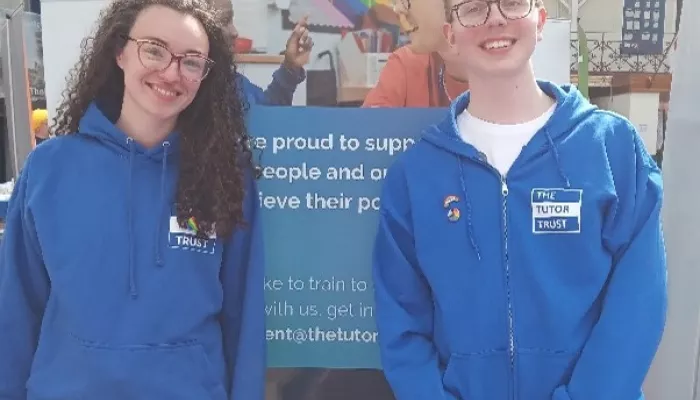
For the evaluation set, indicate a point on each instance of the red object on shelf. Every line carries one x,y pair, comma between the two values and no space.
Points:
242,45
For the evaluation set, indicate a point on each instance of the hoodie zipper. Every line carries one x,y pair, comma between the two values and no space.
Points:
506,266
506,263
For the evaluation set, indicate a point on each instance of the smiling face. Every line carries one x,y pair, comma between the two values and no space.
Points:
495,39
153,86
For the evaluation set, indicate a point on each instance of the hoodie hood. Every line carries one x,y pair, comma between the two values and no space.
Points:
100,125
571,108
96,125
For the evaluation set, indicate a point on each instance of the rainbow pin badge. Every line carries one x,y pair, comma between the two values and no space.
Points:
449,200
453,215
192,224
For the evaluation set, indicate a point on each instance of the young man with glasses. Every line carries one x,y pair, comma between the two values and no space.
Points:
519,254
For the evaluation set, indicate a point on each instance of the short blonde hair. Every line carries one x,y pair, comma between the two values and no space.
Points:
39,118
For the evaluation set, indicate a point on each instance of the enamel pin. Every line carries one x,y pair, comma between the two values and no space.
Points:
453,213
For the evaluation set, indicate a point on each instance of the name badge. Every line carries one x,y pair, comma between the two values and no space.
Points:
186,239
556,210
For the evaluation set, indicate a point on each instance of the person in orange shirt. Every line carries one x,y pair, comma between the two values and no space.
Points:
425,73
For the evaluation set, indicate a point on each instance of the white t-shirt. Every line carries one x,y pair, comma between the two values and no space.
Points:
501,144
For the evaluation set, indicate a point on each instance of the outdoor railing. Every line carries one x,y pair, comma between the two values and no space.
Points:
605,56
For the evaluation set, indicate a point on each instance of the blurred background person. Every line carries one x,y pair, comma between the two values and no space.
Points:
287,77
40,125
426,73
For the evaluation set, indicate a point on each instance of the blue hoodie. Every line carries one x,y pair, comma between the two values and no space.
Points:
548,283
280,92
103,295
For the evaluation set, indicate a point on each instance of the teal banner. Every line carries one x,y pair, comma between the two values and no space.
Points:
322,174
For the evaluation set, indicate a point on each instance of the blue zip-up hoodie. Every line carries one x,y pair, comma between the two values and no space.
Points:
548,283
103,295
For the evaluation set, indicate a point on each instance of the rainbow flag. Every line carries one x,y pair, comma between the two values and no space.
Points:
352,9
324,13
192,224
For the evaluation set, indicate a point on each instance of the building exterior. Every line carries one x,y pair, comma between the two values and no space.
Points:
28,5
634,82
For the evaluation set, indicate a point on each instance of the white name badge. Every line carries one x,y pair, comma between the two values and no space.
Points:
556,210
186,239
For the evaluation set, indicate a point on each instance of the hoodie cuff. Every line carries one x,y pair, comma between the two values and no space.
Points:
290,78
561,394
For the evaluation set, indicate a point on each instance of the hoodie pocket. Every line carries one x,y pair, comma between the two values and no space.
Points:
478,376
76,369
541,371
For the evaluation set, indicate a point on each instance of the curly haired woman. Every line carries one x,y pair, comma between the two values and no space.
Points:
131,266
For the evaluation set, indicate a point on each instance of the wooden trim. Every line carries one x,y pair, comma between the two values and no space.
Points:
617,83
644,83
259,59
630,82
595,81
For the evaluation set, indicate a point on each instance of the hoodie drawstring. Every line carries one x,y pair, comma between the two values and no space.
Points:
468,205
159,230
555,152
133,290
130,229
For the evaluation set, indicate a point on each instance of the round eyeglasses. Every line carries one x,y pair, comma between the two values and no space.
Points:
156,57
472,13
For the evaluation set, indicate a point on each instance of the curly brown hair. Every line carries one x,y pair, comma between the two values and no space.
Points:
215,155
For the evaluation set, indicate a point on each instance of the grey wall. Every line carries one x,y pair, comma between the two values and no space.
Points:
15,86
11,4
674,373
